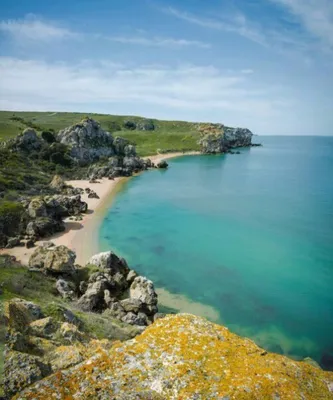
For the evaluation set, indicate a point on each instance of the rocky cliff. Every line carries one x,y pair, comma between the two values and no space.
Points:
216,138
178,357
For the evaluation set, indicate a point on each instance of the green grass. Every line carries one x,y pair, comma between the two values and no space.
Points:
167,136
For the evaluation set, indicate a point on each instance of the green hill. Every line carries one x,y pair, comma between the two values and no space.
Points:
167,135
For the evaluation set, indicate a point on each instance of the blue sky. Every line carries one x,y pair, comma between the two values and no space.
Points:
262,64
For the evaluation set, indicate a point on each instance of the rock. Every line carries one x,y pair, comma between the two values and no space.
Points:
131,305
54,259
22,370
44,226
93,298
116,311
20,313
119,145
65,356
312,362
27,141
143,289
37,208
237,137
129,125
93,195
29,243
87,140
186,357
71,333
60,206
66,289
145,125
110,262
57,183
131,276
133,319
159,316
44,328
12,242
162,164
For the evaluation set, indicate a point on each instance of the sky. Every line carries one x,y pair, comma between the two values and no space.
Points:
262,64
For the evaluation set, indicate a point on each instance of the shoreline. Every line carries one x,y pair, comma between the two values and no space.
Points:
82,236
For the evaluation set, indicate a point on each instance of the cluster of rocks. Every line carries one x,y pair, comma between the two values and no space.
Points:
217,138
111,287
144,125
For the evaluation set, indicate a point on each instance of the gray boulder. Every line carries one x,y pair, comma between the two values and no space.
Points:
93,298
12,242
237,137
110,262
135,319
27,141
44,226
143,289
66,289
87,140
57,260
145,125
37,208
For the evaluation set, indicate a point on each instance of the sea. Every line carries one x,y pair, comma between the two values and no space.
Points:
245,240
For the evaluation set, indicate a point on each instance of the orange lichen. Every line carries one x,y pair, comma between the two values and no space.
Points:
186,357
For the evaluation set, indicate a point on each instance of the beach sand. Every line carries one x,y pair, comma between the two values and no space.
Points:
82,236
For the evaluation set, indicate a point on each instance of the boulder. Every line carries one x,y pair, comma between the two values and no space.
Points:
145,125
162,164
57,260
12,242
93,195
27,141
71,333
44,328
60,206
93,298
44,226
143,289
135,319
29,243
57,183
131,125
66,289
87,141
64,357
21,370
20,313
37,208
109,262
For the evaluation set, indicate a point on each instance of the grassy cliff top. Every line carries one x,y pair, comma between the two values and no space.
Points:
167,135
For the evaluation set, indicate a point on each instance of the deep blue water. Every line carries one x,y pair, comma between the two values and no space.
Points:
246,240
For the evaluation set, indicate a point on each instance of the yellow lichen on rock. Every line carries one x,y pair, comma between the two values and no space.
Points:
186,357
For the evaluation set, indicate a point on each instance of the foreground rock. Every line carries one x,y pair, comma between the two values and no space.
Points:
185,357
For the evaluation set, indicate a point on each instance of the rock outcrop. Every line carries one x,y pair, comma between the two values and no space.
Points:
179,357
26,142
87,141
217,138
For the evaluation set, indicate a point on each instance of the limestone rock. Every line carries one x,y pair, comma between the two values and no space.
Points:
57,183
44,226
66,289
110,262
20,313
87,140
186,357
71,333
37,208
54,259
143,289
93,195
44,327
60,206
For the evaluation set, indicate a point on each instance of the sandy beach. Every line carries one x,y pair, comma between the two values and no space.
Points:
82,236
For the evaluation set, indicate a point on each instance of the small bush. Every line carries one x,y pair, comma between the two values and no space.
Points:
11,213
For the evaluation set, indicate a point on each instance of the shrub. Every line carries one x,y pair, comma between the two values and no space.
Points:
48,137
11,213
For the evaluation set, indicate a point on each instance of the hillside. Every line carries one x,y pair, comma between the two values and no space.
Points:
166,136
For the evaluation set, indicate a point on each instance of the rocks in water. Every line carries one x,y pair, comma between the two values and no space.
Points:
217,138
162,164
117,289
186,357
56,260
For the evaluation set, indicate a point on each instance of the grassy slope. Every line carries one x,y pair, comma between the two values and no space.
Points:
168,135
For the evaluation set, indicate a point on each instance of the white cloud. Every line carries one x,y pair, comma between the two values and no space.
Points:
158,42
194,92
31,28
238,24
315,15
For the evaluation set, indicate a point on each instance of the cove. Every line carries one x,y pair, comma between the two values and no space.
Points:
244,240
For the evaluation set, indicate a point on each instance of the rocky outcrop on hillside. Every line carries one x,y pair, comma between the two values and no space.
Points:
26,142
178,357
216,138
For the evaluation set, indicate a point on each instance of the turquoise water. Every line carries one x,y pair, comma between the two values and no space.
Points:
246,240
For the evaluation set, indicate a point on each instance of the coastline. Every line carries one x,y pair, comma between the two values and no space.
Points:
82,236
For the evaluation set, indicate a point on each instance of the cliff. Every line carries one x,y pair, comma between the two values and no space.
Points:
181,357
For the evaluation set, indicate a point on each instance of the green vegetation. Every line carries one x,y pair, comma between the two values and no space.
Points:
167,136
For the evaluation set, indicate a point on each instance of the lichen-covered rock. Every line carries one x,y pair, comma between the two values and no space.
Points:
37,208
54,259
44,328
66,356
66,289
60,206
20,313
186,357
22,370
87,140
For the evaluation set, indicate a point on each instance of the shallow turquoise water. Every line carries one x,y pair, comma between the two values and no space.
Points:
250,235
